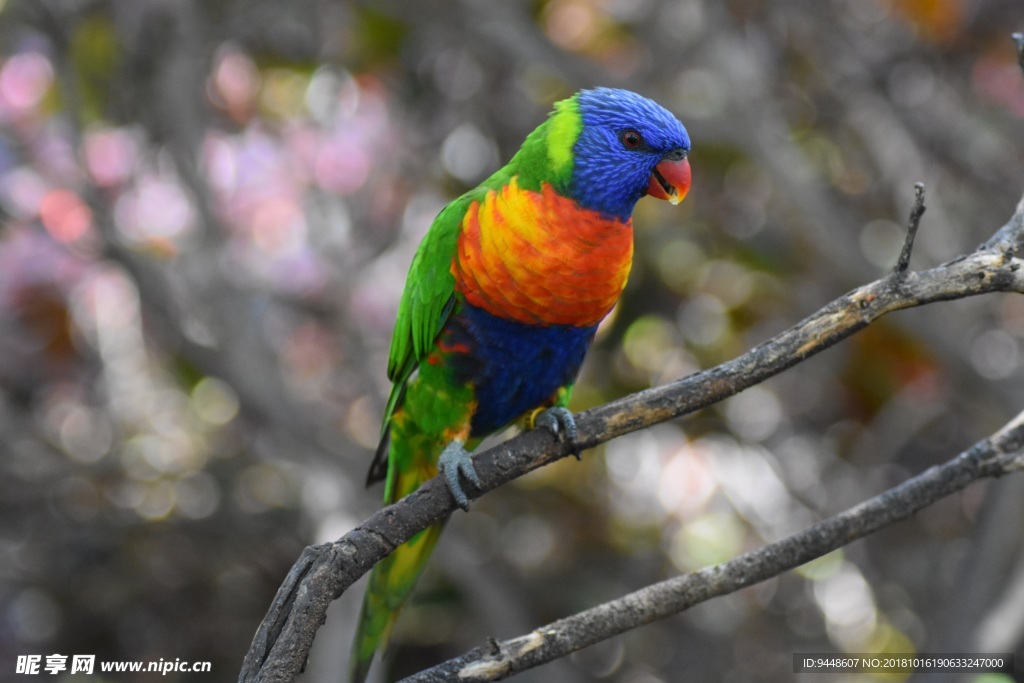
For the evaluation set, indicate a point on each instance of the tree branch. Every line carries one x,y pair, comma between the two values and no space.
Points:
995,456
324,572
912,225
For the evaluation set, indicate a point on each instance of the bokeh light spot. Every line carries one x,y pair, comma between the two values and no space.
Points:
687,483
157,501
35,615
283,93
342,166
703,319
995,354
85,435
156,208
263,487
880,242
468,154
709,539
21,192
528,541
64,215
214,401
24,80
755,414
235,83
571,24
197,496
110,155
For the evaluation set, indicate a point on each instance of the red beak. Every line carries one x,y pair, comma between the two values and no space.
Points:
670,180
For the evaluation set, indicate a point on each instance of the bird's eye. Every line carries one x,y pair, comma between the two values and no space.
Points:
631,139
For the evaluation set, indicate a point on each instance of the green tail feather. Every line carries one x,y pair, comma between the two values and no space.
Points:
391,582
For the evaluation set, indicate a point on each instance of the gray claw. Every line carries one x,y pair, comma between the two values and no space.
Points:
560,422
456,460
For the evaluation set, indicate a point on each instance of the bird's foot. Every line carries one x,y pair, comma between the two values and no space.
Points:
456,460
560,422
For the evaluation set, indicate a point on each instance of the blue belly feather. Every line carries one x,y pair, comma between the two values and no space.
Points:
514,367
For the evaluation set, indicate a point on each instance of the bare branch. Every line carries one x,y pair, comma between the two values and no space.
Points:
912,225
995,456
324,572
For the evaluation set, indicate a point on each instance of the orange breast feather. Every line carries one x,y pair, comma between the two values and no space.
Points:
536,257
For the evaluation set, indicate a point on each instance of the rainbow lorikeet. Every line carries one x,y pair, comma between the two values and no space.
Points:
502,301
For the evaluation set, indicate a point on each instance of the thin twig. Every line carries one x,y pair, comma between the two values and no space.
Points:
912,225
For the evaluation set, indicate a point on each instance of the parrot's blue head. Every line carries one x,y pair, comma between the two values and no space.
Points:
628,147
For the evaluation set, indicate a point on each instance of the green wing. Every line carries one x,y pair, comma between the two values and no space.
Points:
428,290
426,303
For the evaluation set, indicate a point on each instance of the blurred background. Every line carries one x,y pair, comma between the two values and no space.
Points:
208,209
